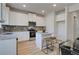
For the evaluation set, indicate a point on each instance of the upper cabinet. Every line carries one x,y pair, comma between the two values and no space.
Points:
17,18
40,21
6,16
32,17
2,12
35,18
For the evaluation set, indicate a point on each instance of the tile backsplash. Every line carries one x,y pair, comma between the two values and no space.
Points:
1,30
12,28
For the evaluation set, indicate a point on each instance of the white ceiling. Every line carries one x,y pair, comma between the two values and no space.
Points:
38,7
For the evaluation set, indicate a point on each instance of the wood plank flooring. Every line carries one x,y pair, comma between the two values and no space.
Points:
29,48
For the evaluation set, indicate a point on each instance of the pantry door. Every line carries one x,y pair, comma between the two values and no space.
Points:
61,30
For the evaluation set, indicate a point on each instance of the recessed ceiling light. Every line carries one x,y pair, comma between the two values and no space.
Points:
24,5
43,11
54,5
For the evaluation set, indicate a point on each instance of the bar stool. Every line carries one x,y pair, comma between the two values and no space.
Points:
48,44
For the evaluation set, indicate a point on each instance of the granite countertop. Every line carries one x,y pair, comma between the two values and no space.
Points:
7,35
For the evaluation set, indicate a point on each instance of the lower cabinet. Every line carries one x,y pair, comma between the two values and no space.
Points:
22,36
8,47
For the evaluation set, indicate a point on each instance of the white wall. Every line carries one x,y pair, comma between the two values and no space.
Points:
60,25
74,7
50,22
70,27
60,30
72,30
69,22
76,24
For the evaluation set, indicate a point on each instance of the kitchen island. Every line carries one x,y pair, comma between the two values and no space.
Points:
8,43
22,35
40,37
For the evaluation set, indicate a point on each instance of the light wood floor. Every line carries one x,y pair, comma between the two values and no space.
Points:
29,48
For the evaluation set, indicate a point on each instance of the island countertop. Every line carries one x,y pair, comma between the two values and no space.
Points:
7,35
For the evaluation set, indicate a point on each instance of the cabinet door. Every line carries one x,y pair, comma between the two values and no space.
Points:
40,21
8,47
23,36
0,11
30,16
26,19
18,18
21,19
3,11
0,14
6,16
13,18
34,17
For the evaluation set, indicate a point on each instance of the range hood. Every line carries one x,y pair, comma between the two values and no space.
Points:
2,19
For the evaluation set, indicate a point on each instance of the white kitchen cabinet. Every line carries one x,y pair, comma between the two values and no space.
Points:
40,37
40,21
13,18
32,17
8,47
0,11
0,25
22,19
35,18
3,11
22,36
26,20
17,18
6,16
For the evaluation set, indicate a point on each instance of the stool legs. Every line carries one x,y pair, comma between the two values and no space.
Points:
48,45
